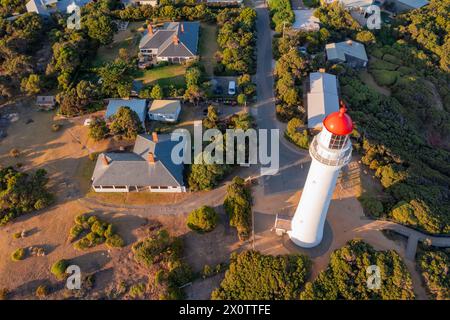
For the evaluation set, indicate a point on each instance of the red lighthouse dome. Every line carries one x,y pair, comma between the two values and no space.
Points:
339,123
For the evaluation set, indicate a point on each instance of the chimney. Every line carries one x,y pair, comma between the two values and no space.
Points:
349,42
149,28
151,157
175,39
322,70
105,160
155,137
181,27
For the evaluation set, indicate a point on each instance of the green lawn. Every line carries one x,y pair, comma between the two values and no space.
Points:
164,76
208,46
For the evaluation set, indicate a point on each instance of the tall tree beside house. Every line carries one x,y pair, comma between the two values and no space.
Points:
205,175
125,124
22,193
238,206
98,129
74,102
194,94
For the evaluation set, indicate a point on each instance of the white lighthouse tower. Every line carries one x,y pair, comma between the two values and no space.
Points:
330,150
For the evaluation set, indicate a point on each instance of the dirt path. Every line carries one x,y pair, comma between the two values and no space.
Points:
368,79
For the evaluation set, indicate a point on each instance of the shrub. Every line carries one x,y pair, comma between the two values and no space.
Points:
82,220
207,271
75,231
15,153
18,254
137,290
346,276
237,205
203,219
41,291
58,269
371,205
254,276
299,137
384,77
382,65
115,241
392,59
56,127
434,266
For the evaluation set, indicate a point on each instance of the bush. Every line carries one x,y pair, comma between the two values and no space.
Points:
58,269
371,205
75,231
254,276
392,59
237,205
434,266
137,290
203,219
384,77
115,241
299,137
41,291
56,127
382,65
18,254
346,276
15,153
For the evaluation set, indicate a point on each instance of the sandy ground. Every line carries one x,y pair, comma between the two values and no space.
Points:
64,154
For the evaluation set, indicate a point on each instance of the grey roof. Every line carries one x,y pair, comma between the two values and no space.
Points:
322,98
305,19
339,51
162,39
37,6
137,105
134,169
414,3
164,106
356,3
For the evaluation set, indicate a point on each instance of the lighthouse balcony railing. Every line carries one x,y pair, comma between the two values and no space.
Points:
332,158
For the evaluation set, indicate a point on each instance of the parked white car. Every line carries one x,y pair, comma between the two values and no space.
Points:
232,88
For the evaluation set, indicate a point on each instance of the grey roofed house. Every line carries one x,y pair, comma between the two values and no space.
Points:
174,40
406,5
351,52
322,98
137,105
149,165
353,4
37,6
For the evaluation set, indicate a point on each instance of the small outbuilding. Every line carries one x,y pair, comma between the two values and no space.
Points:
164,110
45,102
350,52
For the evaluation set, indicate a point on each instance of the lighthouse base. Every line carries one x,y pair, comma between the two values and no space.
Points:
303,244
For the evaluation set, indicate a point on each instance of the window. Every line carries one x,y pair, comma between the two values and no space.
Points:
337,142
107,187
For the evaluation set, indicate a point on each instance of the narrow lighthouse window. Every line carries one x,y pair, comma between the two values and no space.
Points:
337,142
